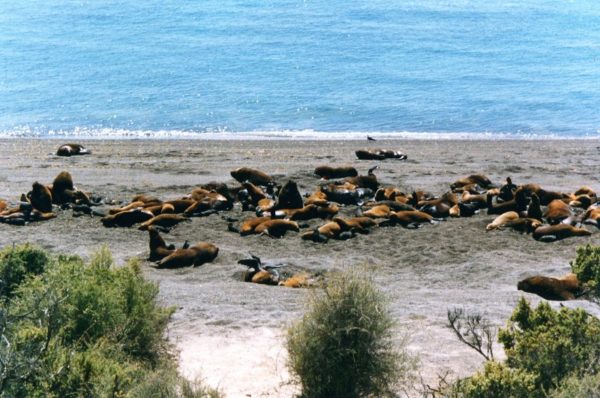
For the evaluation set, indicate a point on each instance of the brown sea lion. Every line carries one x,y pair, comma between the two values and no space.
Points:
276,228
478,179
327,211
254,176
126,218
564,288
592,216
557,211
195,256
408,218
146,199
585,190
390,193
296,281
545,196
518,203
255,193
158,247
534,210
3,205
439,207
249,225
368,181
502,219
329,172
72,149
163,220
308,212
40,197
133,205
551,233
507,191
318,198
289,197
523,225
330,231
582,201
379,154
379,211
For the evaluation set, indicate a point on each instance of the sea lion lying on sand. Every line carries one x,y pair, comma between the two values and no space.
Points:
379,154
329,172
557,211
165,221
564,288
478,179
501,220
72,149
195,256
254,176
551,233
127,218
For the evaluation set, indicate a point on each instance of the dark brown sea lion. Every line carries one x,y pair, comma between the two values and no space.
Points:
72,149
127,218
534,210
563,288
158,247
289,197
368,181
550,233
390,193
163,220
193,256
518,203
62,183
557,211
379,154
255,193
439,207
308,212
329,172
582,201
40,197
478,179
507,191
523,225
254,176
545,196
276,228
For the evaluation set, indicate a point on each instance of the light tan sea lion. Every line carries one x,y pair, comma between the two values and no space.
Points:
40,198
297,281
502,219
195,256
329,172
72,149
318,198
407,217
379,211
276,228
254,176
564,288
551,233
330,230
163,220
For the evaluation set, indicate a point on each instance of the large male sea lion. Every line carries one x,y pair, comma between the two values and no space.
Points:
289,197
195,256
551,233
564,288
40,197
254,176
329,172
72,149
158,247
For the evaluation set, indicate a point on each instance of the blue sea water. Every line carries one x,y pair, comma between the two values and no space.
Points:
96,68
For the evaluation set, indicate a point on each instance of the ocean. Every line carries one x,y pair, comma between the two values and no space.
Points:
288,68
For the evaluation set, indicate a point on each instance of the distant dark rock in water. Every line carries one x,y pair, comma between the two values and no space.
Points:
72,149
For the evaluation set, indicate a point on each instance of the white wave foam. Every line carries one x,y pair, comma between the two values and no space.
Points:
85,133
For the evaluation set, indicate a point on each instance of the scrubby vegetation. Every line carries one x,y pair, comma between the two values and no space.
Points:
587,267
73,329
343,345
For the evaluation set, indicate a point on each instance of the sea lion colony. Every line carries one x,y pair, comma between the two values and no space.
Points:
278,210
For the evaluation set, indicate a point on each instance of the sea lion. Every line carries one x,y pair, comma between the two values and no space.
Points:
158,247
133,205
329,172
585,190
3,205
557,211
255,193
331,230
358,224
534,210
582,201
126,218
72,149
250,224
289,197
195,256
551,233
178,205
379,154
308,212
502,219
296,281
254,176
408,218
345,196
276,228
163,220
40,197
507,191
545,196
439,207
318,198
592,216
464,210
518,203
564,288
368,181
390,193
380,211
478,179
523,225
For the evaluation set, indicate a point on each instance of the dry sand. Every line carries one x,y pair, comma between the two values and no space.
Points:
231,333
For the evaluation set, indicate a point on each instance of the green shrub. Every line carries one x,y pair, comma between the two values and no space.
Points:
587,266
497,381
18,263
81,330
343,345
587,386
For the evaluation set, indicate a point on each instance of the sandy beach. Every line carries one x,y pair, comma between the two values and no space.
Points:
231,333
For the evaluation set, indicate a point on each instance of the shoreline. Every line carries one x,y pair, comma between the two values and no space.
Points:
424,272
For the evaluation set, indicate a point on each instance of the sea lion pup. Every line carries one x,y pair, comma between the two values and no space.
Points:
439,208
551,233
276,228
126,218
158,247
164,221
256,273
289,197
297,281
591,216
329,172
379,211
502,219
518,203
478,179
72,149
318,198
566,287
507,191
40,198
410,218
368,181
196,255
557,211
254,176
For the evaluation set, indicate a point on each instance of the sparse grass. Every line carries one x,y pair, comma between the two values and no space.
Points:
343,345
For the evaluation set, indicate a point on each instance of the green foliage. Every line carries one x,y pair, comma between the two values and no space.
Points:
497,381
17,264
587,266
343,345
551,344
79,330
587,386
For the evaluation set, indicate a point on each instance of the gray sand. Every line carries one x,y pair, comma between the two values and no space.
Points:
230,331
